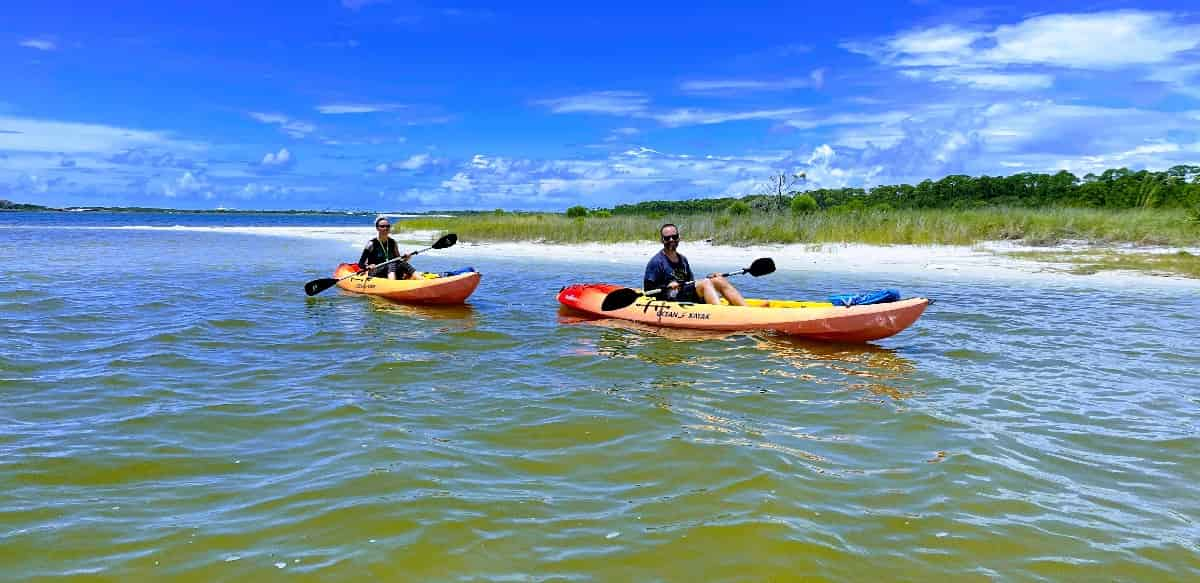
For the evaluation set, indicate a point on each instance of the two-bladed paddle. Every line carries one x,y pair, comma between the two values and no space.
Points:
317,286
625,297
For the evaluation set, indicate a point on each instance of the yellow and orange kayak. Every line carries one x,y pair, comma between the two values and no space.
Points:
815,320
425,288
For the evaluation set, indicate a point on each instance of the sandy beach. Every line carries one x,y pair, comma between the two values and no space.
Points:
983,261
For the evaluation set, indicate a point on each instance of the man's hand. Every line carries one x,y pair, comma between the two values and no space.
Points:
673,285
406,257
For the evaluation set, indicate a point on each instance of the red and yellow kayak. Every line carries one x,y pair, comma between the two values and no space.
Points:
815,320
426,288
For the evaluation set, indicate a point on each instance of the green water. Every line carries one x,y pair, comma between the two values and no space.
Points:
181,411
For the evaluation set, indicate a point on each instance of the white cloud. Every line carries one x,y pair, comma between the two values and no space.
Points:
636,105
281,158
37,135
939,39
984,79
1101,40
1023,56
841,119
486,180
292,127
41,44
188,184
1182,79
265,190
274,118
1146,155
359,4
606,102
425,120
814,80
345,108
346,44
687,116
1036,136
459,183
412,163
622,134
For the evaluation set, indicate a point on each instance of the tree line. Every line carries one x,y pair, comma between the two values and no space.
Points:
1120,188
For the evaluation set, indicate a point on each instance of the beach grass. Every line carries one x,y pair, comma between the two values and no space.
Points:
1089,262
877,227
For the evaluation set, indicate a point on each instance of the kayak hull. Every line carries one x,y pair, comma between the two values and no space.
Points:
454,289
813,320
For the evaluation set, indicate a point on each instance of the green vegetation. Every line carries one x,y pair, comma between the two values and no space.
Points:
937,226
739,208
1089,262
8,205
803,204
577,212
1176,188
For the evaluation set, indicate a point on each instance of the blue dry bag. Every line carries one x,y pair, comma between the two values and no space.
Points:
879,296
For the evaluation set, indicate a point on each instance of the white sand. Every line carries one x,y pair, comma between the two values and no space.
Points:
985,261
980,262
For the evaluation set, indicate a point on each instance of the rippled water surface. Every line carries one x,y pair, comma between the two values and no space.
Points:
174,407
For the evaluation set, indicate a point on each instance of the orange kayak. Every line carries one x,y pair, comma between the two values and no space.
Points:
815,320
426,288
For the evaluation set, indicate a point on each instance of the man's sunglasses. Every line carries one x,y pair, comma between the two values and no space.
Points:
384,227
674,237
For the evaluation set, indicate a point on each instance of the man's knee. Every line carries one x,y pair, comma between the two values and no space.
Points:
704,284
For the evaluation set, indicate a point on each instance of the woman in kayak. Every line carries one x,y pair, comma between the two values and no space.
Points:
382,249
669,270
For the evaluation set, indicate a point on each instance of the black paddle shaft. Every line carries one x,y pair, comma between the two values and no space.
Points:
625,297
317,286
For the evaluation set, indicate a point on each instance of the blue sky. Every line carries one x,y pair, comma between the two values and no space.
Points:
394,105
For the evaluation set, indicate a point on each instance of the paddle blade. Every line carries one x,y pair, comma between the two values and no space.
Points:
447,240
618,299
761,266
317,286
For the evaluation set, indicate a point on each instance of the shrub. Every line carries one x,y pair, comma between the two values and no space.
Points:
601,214
803,204
498,212
738,208
577,211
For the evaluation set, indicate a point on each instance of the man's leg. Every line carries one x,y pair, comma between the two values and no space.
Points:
726,289
706,291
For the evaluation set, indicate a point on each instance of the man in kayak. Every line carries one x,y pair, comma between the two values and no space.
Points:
669,270
382,249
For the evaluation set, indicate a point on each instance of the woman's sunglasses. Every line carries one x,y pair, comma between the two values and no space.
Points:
384,227
670,237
